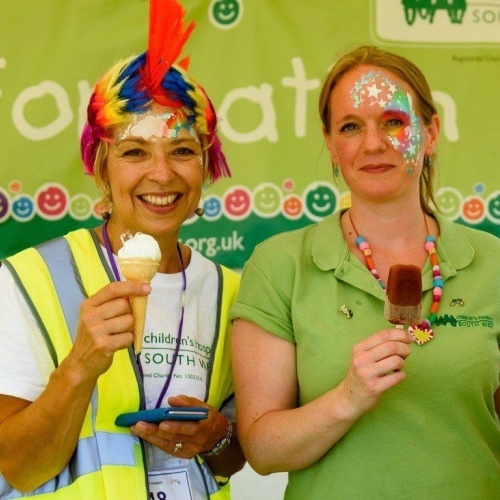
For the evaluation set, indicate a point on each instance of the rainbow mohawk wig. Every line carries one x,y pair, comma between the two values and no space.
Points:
133,84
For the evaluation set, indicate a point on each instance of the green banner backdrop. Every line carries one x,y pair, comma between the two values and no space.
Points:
262,63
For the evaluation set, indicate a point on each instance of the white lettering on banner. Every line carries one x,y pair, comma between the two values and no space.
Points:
261,96
212,246
267,127
3,64
449,114
302,84
36,92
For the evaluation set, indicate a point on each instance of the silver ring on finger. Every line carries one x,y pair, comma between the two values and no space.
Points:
177,447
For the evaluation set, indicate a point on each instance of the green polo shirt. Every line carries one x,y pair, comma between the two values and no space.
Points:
434,436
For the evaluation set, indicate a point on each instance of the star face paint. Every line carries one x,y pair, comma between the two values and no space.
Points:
151,126
398,119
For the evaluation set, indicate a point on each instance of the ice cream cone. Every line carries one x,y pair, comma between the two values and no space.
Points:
138,269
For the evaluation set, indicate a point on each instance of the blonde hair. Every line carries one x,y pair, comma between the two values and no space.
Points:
409,73
99,173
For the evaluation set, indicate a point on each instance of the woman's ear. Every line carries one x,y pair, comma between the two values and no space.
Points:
433,134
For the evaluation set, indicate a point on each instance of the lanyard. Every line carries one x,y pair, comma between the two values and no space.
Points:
116,274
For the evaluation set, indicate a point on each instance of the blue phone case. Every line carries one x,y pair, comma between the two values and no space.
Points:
160,414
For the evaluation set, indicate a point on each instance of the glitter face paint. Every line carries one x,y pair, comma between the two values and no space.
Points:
399,120
151,126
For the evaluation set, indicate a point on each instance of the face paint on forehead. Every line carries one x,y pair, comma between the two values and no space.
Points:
372,89
151,126
375,89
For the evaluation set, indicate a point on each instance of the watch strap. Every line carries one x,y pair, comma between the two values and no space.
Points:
222,444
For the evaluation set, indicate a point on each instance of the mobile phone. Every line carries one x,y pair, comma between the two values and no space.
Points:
160,414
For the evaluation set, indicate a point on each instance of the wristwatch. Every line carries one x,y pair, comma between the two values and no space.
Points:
222,444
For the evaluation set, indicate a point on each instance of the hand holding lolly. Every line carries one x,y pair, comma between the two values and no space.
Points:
139,259
403,301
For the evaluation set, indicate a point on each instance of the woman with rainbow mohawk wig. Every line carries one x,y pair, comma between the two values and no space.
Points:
115,324
134,85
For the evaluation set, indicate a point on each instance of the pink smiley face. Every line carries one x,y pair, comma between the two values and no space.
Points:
473,209
237,203
52,201
292,207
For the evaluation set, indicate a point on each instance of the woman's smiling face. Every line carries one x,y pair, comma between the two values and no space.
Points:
376,136
155,172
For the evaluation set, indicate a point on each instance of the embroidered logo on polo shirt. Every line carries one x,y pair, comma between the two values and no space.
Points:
465,320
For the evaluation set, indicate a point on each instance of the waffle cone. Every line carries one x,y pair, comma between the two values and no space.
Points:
139,306
138,269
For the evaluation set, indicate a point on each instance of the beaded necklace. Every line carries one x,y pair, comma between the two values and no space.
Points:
422,332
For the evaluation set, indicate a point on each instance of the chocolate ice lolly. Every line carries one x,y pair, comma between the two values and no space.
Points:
403,301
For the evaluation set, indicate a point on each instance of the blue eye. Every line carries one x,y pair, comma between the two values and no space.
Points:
348,127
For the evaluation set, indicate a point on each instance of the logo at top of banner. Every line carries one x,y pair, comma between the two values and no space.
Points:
438,21
426,9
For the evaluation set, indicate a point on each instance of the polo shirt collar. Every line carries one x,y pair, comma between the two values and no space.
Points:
328,246
329,251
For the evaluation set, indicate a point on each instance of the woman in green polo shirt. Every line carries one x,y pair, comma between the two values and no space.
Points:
327,389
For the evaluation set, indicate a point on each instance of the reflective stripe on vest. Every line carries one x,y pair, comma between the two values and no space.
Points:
61,264
55,301
90,454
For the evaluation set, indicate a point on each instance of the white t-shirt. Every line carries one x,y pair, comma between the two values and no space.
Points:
25,363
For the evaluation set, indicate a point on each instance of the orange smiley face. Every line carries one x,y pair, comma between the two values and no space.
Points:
473,209
292,206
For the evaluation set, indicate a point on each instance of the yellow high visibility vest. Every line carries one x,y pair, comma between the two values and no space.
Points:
108,462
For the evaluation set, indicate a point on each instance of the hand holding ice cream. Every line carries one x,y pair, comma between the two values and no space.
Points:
139,259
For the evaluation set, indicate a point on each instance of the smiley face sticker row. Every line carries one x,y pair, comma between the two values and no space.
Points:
267,200
50,202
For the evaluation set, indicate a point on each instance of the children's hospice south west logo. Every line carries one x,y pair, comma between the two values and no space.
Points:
437,21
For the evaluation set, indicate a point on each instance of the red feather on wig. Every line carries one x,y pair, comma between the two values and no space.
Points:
167,37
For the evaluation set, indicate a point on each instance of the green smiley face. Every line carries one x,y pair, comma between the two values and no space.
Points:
266,200
225,14
80,207
320,200
449,200
494,207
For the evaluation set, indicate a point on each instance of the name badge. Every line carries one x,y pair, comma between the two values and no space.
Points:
169,485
